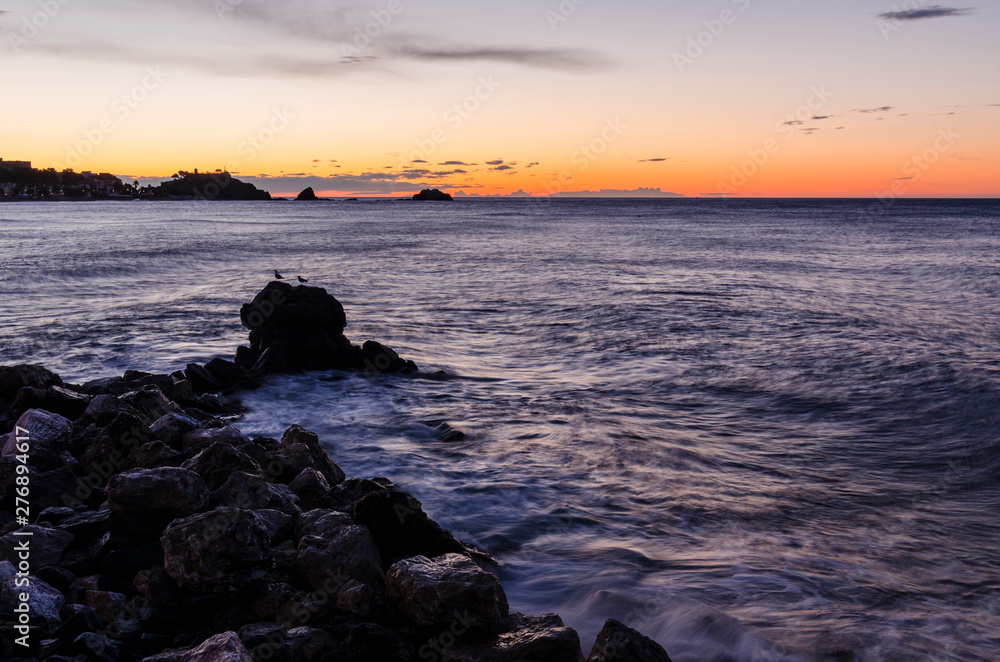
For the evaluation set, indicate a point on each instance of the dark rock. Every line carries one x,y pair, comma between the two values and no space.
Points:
378,359
216,463
308,644
297,328
106,454
279,525
156,586
167,492
96,648
44,602
225,647
57,487
311,488
151,402
219,550
130,559
260,634
321,523
47,545
435,592
171,428
250,492
347,495
274,596
308,195
79,620
369,642
227,373
445,431
434,195
56,576
359,599
202,381
198,440
401,528
103,409
108,604
346,553
54,399
300,449
15,377
617,642
151,456
87,525
55,514
48,435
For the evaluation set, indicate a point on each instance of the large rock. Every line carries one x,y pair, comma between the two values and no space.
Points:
225,647
250,492
53,399
107,452
171,428
217,463
526,638
438,592
46,545
299,450
198,440
44,602
400,526
167,492
48,434
103,409
307,195
347,553
15,377
617,642
433,195
218,550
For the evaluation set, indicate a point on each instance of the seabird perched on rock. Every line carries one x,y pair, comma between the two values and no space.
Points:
278,276
302,280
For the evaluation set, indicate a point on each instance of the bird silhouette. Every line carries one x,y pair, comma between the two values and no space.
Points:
302,280
278,276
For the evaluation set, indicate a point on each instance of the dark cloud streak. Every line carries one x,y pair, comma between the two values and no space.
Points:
932,11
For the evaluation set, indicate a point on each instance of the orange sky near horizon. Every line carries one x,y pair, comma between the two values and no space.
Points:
728,97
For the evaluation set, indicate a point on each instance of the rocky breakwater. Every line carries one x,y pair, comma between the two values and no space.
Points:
154,530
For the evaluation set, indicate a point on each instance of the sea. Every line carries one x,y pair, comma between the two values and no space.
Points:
755,430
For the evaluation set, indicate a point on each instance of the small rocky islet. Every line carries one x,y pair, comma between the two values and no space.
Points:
160,532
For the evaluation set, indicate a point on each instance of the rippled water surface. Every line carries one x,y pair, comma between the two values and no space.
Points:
768,430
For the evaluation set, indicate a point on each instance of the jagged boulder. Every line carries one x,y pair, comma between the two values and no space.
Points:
308,195
440,591
167,492
215,551
617,642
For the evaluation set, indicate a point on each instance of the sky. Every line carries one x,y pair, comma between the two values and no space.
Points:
753,98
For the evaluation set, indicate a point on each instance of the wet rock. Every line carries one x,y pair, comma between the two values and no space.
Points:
218,550
227,374
202,381
78,620
171,428
48,435
311,488
55,514
104,408
56,576
156,586
259,634
106,603
274,596
198,440
225,647
216,463
617,642
106,454
96,648
359,599
166,492
47,545
377,359
300,449
437,592
345,497
152,455
151,402
87,525
44,602
250,492
15,377
54,399
321,523
346,553
400,526
308,644
279,525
